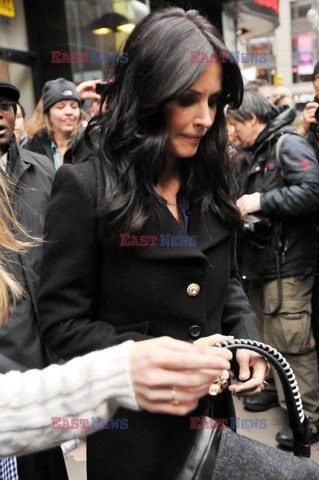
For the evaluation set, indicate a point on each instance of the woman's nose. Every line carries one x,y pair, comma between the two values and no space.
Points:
206,116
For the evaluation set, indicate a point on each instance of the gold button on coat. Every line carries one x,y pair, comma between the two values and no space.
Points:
193,289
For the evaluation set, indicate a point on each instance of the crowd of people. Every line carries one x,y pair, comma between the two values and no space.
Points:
84,312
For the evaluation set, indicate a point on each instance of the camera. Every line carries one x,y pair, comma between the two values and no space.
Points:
258,229
255,223
100,87
317,115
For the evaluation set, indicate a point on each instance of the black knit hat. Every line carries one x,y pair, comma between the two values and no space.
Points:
56,90
8,91
315,71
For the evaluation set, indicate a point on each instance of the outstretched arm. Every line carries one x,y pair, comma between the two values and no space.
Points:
42,408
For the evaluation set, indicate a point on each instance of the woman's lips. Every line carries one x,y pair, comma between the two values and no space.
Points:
193,138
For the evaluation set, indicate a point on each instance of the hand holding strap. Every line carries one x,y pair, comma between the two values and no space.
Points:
298,422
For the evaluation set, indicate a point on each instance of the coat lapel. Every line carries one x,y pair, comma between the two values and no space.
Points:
207,229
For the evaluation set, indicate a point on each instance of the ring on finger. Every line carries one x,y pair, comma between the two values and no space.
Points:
214,389
223,381
174,400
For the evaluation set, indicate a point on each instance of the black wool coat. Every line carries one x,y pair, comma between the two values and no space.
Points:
93,296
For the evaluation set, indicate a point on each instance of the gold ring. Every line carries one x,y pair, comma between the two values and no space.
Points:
223,381
214,389
174,399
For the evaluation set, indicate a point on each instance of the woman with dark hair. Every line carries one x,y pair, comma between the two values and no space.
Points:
31,400
140,237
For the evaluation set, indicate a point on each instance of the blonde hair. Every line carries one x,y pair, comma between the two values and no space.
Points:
35,122
9,287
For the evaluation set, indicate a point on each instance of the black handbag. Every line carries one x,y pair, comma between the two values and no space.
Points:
202,457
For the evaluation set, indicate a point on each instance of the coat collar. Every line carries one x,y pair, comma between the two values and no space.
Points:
18,163
207,228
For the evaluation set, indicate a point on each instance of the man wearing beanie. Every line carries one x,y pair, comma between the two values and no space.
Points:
61,139
30,178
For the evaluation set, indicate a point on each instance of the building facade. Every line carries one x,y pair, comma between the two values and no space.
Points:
42,40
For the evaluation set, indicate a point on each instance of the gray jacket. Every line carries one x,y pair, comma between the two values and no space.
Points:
32,175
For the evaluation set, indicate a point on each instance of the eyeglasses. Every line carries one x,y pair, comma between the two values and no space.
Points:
5,106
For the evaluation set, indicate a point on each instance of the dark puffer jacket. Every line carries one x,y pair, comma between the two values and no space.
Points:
289,189
41,143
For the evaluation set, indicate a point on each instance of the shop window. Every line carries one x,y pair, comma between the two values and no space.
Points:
304,41
299,9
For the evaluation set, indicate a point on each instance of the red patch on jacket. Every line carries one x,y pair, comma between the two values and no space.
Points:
305,164
270,165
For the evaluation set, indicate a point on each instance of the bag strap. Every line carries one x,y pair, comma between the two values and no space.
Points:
298,421
278,145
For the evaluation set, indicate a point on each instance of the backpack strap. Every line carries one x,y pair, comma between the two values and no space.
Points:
279,143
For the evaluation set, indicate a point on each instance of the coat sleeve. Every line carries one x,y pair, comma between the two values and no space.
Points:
37,406
300,170
238,317
69,271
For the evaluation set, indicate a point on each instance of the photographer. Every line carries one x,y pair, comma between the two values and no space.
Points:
279,198
309,127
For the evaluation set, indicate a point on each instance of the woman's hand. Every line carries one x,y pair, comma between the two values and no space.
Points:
205,342
86,90
169,376
253,370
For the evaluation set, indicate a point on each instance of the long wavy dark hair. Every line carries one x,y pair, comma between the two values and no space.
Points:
133,132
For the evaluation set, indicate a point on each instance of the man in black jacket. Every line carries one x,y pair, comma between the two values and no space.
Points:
279,198
30,176
309,124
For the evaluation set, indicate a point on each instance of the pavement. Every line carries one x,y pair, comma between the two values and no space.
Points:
274,419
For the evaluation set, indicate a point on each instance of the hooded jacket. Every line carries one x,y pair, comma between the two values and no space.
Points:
289,187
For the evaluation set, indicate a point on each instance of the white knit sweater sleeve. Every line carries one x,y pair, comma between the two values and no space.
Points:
90,386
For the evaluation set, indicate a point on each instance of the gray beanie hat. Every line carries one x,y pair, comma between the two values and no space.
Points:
56,90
